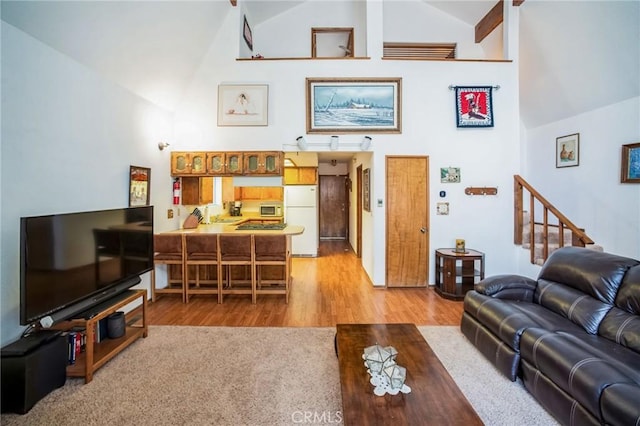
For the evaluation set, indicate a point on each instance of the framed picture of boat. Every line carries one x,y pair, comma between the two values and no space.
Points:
349,105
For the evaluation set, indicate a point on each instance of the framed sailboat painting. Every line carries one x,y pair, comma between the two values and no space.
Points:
346,105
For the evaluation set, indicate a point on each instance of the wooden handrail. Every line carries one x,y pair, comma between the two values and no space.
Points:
579,238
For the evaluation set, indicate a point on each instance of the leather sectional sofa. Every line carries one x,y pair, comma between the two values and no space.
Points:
572,335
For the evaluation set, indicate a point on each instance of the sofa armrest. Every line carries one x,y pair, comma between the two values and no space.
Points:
513,287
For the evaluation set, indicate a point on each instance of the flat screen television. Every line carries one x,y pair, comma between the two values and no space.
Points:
71,262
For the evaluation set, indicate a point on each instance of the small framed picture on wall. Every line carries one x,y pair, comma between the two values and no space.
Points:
366,187
139,186
568,150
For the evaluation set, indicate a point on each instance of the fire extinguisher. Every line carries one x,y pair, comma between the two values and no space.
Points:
176,191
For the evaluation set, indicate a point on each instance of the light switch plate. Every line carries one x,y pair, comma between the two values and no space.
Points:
379,202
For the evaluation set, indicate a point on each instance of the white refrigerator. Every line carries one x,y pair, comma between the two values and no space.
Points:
301,208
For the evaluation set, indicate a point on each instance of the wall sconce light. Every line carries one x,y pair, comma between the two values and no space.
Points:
334,143
162,145
302,143
366,143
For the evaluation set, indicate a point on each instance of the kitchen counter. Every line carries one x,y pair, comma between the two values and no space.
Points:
226,228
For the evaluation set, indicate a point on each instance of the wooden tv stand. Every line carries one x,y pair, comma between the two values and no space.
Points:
98,354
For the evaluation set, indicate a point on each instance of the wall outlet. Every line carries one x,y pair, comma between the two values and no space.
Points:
170,214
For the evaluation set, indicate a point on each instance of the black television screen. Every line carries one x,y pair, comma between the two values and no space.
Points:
70,262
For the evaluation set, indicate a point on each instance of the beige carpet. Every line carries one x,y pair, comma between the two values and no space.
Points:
253,376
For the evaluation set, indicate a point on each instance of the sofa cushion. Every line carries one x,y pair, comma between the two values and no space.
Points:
620,404
628,297
622,323
576,306
595,273
507,319
580,364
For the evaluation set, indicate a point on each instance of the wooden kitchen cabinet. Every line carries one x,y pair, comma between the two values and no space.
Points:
216,162
234,163
228,190
188,163
197,190
259,193
300,175
263,163
248,163
224,163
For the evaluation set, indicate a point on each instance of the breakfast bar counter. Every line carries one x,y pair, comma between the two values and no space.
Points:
225,228
248,256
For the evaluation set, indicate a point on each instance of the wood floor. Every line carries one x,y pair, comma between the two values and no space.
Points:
327,290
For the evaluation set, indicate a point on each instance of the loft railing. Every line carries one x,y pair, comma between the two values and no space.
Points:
578,236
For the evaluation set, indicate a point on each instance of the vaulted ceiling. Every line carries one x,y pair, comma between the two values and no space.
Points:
575,56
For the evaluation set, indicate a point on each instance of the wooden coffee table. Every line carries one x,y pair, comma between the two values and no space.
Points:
434,398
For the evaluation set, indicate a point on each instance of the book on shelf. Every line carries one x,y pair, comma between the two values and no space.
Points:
100,330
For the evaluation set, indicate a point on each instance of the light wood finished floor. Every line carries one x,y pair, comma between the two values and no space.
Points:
327,290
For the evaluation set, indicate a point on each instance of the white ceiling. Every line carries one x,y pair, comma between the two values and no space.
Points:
566,47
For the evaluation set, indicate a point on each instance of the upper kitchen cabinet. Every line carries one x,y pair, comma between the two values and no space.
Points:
241,163
300,175
234,163
263,163
224,163
197,190
188,163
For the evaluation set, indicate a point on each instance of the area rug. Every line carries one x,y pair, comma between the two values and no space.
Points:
254,376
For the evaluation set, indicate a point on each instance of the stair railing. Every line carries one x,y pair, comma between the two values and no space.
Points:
579,238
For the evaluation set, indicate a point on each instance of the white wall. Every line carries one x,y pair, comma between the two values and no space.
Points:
273,39
591,194
68,138
488,157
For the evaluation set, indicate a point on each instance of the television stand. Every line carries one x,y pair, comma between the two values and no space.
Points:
98,354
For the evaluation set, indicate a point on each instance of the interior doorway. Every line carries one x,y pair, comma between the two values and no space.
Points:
333,207
407,217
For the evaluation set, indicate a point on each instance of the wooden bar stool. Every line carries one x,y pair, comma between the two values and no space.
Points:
202,250
168,250
272,250
237,250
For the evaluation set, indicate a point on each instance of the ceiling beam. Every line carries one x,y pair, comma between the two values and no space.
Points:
492,19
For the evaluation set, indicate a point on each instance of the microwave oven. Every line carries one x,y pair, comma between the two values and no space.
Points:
271,210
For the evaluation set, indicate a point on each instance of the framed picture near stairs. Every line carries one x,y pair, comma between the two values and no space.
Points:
630,163
567,150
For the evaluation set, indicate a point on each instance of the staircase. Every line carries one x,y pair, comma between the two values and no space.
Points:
544,224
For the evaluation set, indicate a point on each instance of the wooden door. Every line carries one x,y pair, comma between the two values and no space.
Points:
333,207
407,247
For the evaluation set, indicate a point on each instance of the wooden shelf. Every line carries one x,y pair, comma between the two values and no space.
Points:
98,354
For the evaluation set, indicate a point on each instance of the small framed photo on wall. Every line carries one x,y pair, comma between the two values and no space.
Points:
139,186
366,188
568,150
